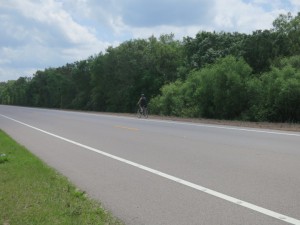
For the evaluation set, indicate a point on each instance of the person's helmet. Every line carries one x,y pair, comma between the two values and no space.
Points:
142,95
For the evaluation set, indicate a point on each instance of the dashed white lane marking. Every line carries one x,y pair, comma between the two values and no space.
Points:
228,198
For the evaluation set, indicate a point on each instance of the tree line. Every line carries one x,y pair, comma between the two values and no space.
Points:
220,75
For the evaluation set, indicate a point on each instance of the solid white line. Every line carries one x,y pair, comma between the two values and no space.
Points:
227,128
267,131
173,178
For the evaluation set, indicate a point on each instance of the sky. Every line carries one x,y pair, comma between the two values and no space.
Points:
39,34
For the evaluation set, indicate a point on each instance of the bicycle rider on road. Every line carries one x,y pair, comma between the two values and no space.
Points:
142,103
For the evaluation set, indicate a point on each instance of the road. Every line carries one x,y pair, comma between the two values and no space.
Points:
148,171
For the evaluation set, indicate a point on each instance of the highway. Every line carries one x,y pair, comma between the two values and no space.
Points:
148,171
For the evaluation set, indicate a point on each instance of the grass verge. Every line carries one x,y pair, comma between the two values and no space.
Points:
33,193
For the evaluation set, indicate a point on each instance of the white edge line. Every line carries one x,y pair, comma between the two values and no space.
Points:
231,128
228,198
267,131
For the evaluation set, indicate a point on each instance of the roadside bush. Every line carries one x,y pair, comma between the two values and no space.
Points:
170,101
217,91
275,96
282,91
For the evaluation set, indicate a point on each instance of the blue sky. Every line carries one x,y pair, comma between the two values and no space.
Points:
38,34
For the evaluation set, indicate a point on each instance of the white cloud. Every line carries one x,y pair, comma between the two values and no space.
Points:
41,34
235,15
50,17
295,2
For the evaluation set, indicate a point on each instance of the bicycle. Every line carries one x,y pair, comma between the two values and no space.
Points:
142,112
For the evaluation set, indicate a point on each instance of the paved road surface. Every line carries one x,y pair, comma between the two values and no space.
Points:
162,172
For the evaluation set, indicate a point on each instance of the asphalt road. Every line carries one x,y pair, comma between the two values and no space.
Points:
162,172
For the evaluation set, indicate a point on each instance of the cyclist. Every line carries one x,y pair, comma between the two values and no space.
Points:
142,103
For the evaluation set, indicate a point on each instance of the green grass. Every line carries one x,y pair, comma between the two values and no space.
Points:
33,193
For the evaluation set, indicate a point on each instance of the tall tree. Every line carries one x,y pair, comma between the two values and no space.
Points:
134,67
260,50
288,27
207,47
81,79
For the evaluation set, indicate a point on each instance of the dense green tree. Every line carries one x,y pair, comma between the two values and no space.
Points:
260,49
21,90
216,91
263,47
207,47
81,79
281,91
134,67
113,76
6,93
14,92
171,101
288,28
44,89
2,92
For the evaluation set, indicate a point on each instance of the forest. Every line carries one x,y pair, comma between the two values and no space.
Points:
218,75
